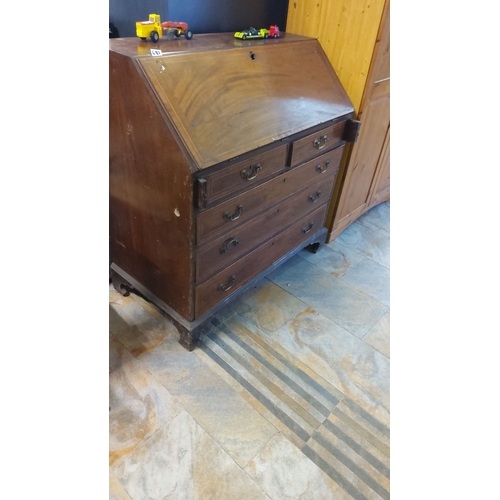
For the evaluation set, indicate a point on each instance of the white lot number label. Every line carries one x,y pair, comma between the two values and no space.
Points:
155,52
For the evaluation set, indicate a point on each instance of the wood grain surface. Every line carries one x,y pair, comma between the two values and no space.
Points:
244,98
151,196
213,223
236,275
347,31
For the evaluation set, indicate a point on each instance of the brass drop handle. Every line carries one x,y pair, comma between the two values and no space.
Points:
252,172
304,230
229,285
236,215
230,241
315,197
321,169
321,142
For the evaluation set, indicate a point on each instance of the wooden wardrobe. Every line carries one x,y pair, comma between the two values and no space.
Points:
355,35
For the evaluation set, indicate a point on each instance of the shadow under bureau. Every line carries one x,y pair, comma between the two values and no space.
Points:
223,158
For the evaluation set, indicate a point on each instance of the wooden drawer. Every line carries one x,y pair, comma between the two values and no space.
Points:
226,249
315,144
242,175
230,214
233,277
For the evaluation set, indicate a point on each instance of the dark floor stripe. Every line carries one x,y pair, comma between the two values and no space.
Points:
292,384
276,390
297,371
362,432
280,414
375,462
369,418
368,480
336,476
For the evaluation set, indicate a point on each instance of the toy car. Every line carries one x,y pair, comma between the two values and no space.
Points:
153,28
273,32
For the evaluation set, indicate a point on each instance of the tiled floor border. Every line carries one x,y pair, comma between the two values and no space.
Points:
303,404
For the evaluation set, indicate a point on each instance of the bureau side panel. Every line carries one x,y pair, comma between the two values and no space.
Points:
151,194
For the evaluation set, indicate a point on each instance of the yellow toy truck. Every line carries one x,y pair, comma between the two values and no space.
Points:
153,28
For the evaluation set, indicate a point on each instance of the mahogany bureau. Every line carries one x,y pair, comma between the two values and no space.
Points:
223,158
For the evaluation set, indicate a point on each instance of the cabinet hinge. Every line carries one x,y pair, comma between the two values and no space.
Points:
351,130
202,193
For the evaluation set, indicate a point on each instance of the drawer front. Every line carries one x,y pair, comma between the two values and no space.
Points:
315,144
245,174
230,214
228,248
235,276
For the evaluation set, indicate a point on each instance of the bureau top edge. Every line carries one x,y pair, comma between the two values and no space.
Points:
136,48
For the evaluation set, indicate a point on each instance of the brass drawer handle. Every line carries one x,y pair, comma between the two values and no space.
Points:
315,197
236,215
229,285
251,173
321,169
304,230
321,142
230,241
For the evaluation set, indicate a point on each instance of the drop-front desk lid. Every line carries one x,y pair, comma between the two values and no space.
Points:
226,96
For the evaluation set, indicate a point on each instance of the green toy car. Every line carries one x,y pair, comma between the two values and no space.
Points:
273,32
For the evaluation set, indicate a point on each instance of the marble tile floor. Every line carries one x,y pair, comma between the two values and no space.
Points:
286,396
